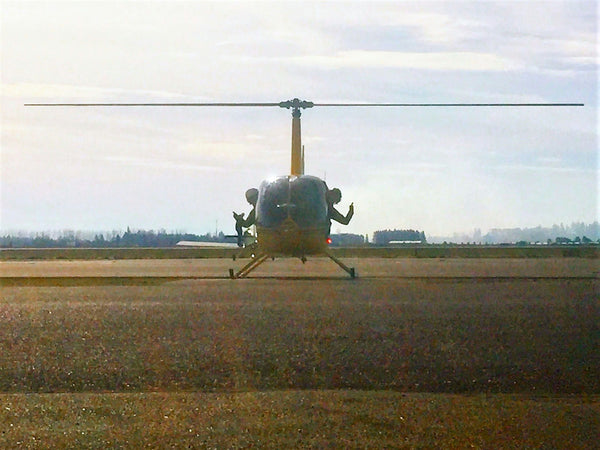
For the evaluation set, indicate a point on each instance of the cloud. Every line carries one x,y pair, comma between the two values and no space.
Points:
505,35
160,164
65,92
467,61
544,169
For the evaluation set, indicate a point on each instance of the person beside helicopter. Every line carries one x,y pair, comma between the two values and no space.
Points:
240,222
334,196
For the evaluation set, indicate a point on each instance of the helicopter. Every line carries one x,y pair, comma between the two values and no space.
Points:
292,214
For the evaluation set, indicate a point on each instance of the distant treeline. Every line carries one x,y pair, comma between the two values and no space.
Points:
347,240
384,237
577,231
139,238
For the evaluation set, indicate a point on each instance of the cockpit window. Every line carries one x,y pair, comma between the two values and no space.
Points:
300,198
272,195
308,196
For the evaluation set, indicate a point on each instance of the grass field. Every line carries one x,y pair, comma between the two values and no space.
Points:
297,419
380,362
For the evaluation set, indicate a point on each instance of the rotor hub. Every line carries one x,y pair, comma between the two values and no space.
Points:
296,104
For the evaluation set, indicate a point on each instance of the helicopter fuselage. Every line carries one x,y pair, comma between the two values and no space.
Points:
292,216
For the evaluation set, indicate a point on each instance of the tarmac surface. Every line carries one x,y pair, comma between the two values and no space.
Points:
314,268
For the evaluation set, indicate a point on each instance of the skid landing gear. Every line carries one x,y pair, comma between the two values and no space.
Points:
349,270
258,259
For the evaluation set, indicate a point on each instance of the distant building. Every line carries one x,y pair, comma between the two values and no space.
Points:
386,237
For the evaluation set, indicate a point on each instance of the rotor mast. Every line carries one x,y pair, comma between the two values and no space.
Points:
297,163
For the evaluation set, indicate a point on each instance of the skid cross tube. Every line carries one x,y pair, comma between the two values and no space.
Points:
253,264
261,258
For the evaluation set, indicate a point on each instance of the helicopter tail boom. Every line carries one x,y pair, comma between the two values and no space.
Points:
297,168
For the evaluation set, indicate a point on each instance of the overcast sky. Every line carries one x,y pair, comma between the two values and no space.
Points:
432,169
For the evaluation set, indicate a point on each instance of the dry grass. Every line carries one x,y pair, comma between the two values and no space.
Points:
443,336
302,363
296,419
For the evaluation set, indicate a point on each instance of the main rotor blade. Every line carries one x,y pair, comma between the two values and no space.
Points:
447,104
151,104
284,105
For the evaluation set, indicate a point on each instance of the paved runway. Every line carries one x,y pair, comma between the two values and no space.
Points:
313,268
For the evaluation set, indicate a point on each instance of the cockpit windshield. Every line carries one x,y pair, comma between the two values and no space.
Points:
300,198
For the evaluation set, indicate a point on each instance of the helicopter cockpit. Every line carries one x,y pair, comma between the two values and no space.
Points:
299,198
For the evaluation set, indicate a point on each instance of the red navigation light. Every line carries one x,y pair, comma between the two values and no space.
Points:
328,240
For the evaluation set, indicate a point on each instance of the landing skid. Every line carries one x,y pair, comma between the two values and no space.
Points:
349,270
257,260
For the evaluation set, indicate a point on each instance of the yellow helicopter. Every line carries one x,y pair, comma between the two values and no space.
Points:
292,214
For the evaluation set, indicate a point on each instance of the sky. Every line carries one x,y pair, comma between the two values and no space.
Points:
439,170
